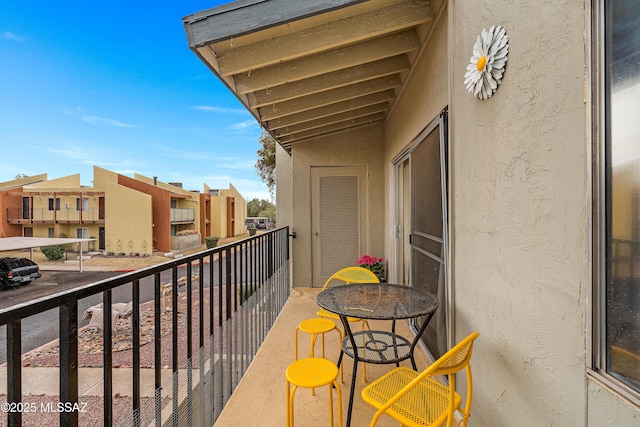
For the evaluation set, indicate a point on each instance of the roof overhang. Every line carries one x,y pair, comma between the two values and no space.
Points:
310,69
19,243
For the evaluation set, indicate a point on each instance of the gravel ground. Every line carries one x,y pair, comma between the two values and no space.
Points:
90,341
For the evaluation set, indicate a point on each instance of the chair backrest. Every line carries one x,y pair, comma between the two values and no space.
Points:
351,275
450,363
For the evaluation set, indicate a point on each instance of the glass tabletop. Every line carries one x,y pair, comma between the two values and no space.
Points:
381,301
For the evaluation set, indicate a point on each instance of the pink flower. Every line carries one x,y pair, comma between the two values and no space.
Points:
372,263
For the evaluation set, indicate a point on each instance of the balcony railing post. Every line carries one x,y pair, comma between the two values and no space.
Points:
69,361
270,254
107,373
14,370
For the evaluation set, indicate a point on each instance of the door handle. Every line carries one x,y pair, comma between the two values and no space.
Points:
315,233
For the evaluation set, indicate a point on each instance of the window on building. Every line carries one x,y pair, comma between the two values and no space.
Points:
82,233
82,204
51,233
54,204
617,185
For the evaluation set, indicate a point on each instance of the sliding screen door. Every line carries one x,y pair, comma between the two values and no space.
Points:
422,240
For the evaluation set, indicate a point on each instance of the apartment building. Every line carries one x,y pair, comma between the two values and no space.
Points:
131,216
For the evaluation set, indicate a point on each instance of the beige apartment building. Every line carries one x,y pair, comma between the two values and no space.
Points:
131,216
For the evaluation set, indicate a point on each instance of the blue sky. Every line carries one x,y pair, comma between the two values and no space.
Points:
114,84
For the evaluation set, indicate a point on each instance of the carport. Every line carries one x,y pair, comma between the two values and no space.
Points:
19,243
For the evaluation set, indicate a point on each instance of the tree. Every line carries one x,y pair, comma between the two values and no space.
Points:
256,207
266,164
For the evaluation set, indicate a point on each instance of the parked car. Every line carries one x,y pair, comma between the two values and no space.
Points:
17,271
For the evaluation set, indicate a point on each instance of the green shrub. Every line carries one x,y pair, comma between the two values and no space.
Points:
252,231
53,252
211,241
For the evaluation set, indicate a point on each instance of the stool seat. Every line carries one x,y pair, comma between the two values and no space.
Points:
317,325
310,373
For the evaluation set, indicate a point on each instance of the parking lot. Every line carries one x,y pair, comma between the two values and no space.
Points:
50,283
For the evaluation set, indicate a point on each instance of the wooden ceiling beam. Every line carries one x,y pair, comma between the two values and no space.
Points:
368,119
328,110
329,81
289,143
324,37
329,97
280,128
338,59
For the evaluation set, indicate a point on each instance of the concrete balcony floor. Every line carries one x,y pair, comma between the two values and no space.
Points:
261,396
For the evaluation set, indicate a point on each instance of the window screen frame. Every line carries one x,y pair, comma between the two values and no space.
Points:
597,362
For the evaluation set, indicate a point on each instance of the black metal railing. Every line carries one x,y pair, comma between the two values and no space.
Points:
210,313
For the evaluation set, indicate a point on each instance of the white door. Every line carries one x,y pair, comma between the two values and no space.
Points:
337,210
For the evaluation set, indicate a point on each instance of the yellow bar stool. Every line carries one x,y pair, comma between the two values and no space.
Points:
310,373
316,326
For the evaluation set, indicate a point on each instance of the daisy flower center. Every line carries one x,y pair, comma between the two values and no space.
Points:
482,63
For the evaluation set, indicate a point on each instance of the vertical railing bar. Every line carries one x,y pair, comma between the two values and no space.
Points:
157,355
260,289
228,321
252,311
247,289
107,372
222,332
240,311
212,335
135,327
69,360
265,260
236,314
14,369
174,344
189,291
201,326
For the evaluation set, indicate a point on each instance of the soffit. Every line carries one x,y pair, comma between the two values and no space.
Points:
307,74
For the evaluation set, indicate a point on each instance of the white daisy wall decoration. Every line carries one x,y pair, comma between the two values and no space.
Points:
484,73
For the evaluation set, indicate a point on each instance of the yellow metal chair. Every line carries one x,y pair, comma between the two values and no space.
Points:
347,276
416,399
311,373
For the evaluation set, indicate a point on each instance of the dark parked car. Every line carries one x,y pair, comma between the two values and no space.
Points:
17,271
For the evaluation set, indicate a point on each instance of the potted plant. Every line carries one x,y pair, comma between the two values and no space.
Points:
374,264
211,241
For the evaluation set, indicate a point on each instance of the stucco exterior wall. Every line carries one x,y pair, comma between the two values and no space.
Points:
219,216
128,220
359,147
425,96
8,199
70,181
240,209
160,208
283,187
520,214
